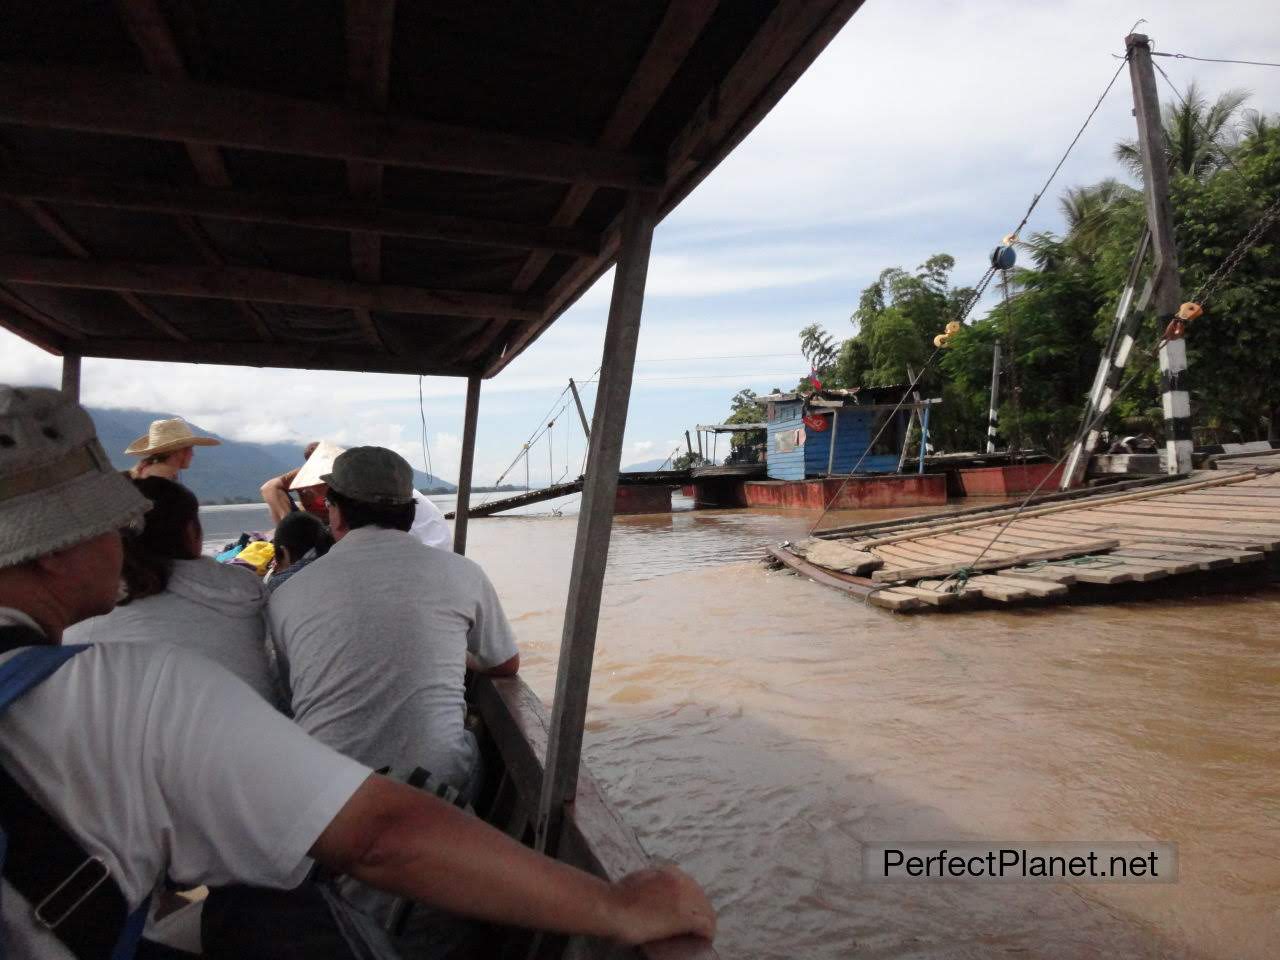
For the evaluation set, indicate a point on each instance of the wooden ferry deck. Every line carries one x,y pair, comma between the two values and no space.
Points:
1213,523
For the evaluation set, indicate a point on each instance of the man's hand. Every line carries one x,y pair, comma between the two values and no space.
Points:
661,902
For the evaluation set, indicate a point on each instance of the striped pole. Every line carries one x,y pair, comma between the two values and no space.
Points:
1177,405
1110,371
993,414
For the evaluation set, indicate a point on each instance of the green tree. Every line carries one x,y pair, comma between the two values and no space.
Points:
1199,136
745,407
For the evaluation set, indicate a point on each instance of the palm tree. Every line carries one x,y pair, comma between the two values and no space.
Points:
1198,135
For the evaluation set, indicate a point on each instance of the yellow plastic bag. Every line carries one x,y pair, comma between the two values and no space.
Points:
258,555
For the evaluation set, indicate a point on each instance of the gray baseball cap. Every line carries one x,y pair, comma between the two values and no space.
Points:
372,475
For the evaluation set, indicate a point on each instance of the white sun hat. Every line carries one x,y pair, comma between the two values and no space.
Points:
57,485
320,462
165,436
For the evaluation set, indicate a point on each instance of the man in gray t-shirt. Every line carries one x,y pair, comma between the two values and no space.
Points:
374,638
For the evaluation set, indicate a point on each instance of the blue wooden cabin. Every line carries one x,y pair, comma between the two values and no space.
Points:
797,450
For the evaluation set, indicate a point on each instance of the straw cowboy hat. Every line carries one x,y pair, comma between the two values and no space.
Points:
57,485
165,436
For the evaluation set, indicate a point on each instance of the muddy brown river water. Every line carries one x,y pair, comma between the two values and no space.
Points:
759,729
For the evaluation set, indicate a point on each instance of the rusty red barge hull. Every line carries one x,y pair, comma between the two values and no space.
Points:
855,493
1009,480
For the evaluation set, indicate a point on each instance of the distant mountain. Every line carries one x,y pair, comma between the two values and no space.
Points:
645,466
231,472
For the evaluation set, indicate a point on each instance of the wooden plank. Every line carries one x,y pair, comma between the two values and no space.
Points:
96,101
1143,532
1070,506
248,283
294,210
255,354
858,586
891,598
1012,589
1202,559
595,520
1036,586
994,563
934,598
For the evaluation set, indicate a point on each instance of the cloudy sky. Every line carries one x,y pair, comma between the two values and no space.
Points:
925,127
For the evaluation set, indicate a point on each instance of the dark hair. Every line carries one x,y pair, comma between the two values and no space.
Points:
357,513
149,553
299,532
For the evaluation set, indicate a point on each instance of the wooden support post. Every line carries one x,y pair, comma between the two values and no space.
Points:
831,454
1166,288
71,376
701,455
993,414
595,520
465,465
688,442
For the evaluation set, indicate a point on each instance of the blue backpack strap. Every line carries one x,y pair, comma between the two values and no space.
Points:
28,667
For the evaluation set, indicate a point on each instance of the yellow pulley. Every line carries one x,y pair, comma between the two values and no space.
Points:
953,327
1190,311
941,340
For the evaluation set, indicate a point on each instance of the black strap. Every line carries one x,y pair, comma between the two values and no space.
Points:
72,892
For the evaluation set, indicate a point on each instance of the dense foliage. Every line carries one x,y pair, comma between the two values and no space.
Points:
1058,307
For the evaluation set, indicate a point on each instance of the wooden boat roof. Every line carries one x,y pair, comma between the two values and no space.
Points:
412,187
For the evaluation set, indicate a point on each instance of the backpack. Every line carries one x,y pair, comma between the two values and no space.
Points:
85,910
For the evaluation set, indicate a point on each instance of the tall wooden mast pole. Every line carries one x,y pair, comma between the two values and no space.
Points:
595,520
582,414
469,420
1165,287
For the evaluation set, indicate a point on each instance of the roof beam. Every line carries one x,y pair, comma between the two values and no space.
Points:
98,102
151,34
766,70
289,355
268,286
676,34
369,26
316,213
73,245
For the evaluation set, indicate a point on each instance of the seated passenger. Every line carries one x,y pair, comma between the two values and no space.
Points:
151,762
375,636
167,449
299,539
174,595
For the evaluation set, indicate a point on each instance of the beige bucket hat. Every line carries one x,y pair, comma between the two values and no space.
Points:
57,485
165,436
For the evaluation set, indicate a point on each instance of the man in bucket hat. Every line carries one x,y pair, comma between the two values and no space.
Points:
166,449
135,762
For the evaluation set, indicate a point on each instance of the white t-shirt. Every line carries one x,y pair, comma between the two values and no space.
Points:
216,609
158,760
429,524
372,641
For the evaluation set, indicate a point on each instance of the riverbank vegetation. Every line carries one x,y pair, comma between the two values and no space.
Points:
1056,311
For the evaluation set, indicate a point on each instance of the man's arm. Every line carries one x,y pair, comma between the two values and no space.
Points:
508,668
275,494
402,840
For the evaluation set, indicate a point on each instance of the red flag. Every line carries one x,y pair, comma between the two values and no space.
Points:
813,378
816,422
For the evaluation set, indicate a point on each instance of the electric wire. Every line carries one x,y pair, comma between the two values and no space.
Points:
1187,56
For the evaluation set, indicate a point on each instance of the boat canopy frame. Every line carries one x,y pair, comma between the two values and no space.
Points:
366,186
